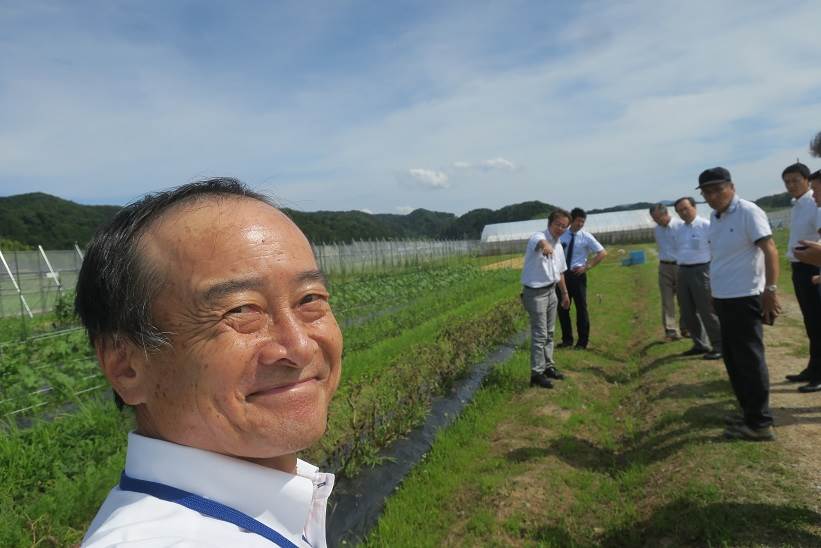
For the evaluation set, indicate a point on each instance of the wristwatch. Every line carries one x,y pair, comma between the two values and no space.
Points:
771,288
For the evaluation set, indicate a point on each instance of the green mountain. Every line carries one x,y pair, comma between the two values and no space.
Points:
470,225
775,201
52,222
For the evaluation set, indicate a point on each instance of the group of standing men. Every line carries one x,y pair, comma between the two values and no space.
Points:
554,276
724,274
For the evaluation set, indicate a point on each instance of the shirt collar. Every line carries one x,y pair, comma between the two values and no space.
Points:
732,207
280,500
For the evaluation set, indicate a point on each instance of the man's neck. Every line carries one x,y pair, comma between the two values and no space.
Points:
283,463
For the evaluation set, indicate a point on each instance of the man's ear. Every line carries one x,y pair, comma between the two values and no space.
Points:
124,365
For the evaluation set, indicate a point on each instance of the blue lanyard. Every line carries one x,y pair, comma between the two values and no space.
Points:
204,506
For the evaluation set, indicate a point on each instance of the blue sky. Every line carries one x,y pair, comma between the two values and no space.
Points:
389,106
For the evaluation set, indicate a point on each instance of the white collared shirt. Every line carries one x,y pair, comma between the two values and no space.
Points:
803,222
540,271
737,268
666,239
693,242
583,245
292,505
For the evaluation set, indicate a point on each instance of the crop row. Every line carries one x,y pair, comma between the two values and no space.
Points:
38,374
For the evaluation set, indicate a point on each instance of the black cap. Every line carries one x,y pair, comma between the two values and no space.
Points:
713,176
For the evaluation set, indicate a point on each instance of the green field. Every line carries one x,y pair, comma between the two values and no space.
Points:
627,451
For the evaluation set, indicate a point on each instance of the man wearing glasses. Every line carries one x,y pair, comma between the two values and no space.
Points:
744,273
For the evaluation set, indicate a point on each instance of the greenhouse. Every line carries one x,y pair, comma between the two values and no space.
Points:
617,226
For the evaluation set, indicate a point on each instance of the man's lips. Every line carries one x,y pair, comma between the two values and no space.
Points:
283,387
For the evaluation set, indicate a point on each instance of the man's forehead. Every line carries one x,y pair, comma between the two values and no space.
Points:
221,230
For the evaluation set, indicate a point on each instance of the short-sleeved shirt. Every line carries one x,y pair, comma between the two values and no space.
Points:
803,223
665,239
737,267
583,245
540,271
693,242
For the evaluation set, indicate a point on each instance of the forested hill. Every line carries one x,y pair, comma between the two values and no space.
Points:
54,223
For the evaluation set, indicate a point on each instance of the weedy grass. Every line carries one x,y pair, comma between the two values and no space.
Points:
625,452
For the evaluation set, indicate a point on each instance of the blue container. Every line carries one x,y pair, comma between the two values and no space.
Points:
637,257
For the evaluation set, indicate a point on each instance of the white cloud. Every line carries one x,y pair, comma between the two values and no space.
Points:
495,164
404,210
428,178
365,210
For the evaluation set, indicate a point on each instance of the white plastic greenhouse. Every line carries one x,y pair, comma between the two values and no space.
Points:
630,225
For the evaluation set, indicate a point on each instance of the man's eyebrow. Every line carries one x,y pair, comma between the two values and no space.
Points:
312,276
223,289
228,287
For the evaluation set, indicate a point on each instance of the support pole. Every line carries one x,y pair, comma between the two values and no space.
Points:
17,287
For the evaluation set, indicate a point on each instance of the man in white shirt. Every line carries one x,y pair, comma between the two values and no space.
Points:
803,227
744,270
693,255
578,245
543,272
811,253
664,233
211,320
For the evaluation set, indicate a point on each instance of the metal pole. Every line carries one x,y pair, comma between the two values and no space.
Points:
53,274
17,287
80,253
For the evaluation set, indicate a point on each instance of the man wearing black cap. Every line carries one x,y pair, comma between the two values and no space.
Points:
803,228
744,273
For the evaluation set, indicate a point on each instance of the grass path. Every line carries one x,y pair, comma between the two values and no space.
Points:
625,452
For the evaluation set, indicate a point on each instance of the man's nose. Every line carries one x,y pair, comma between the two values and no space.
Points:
289,341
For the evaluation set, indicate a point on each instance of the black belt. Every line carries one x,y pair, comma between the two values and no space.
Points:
692,265
543,288
668,262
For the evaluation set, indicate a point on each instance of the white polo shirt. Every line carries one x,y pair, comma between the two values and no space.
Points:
666,240
693,242
803,221
583,245
540,271
737,268
292,505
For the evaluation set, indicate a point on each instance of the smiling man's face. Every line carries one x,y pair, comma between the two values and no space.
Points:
255,351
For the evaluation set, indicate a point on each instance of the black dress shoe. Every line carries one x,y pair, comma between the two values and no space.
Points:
804,376
540,380
564,344
695,351
813,386
553,373
580,347
712,356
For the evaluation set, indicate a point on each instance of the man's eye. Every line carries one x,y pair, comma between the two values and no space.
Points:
313,298
242,309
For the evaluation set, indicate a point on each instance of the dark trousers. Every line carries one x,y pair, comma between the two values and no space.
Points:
809,300
577,291
742,346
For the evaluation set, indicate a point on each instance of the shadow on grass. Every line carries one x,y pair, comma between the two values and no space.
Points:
665,438
695,390
688,522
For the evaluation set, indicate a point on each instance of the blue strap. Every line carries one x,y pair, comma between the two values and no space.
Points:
204,506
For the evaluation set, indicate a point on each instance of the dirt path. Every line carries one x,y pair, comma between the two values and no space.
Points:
797,415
